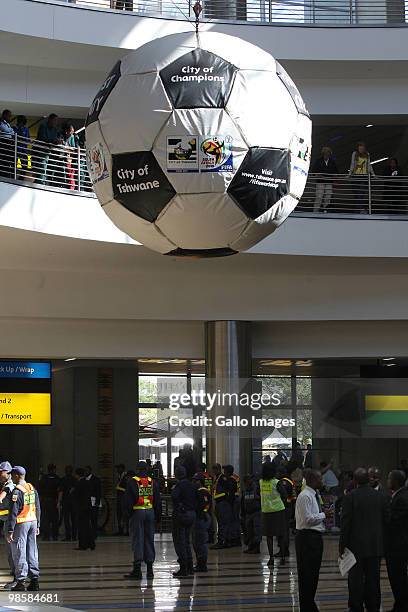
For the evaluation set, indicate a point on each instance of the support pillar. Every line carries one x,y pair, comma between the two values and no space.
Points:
228,367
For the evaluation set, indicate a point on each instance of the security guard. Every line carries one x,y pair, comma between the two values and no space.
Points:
287,491
251,514
120,491
236,508
7,487
208,483
202,523
143,507
23,527
222,490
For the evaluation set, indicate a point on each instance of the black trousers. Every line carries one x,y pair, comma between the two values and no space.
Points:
397,574
49,519
70,520
364,585
85,530
94,521
181,532
309,552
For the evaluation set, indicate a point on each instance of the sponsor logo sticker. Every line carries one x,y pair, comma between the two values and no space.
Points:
97,163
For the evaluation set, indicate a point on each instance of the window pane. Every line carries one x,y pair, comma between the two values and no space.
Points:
304,426
303,390
277,384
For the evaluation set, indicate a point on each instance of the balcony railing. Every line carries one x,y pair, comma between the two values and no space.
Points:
296,12
365,194
61,167
52,165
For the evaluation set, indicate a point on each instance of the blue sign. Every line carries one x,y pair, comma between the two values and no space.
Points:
25,369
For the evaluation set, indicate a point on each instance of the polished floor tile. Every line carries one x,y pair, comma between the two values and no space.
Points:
93,580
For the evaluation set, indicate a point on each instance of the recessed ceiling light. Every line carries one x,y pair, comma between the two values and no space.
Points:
71,359
369,125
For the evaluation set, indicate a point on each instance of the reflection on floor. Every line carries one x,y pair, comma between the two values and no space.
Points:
94,581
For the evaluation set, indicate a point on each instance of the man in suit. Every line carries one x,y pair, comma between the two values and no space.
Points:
82,500
363,518
396,542
95,487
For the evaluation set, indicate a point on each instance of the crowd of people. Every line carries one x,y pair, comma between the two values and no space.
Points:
52,158
291,495
325,170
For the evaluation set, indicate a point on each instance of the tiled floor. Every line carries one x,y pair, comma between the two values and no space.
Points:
94,581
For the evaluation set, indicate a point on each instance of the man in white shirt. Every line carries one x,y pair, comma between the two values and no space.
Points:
308,540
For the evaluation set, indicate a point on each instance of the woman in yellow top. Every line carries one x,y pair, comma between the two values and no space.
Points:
273,511
360,168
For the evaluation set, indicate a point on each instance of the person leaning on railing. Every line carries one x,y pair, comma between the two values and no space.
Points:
324,167
6,145
71,143
44,163
360,169
23,138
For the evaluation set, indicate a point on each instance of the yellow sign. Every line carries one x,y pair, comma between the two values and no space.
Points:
385,403
25,408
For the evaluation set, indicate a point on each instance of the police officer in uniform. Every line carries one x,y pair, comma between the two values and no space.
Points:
223,507
120,492
7,487
143,508
184,498
202,523
287,491
236,506
251,513
208,483
22,529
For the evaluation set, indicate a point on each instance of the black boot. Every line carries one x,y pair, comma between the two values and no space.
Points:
33,586
136,573
149,573
219,545
182,573
201,566
19,586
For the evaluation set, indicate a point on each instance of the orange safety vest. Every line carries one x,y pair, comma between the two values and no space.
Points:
207,499
145,500
238,481
28,512
292,497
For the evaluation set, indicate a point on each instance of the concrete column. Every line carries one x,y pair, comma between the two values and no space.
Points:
228,365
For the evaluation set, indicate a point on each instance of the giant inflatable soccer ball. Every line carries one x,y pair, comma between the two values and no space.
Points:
198,145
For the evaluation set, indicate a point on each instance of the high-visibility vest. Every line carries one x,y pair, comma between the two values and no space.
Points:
145,500
217,493
208,481
28,511
207,497
238,481
292,497
121,485
271,501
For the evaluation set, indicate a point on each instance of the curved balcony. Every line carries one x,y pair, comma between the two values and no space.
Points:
293,12
46,188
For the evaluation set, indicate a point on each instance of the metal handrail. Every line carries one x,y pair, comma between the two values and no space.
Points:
297,12
355,194
53,165
63,168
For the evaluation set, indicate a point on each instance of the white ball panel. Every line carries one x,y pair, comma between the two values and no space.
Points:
264,225
300,153
187,176
202,221
263,108
126,130
139,229
158,53
99,163
238,52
